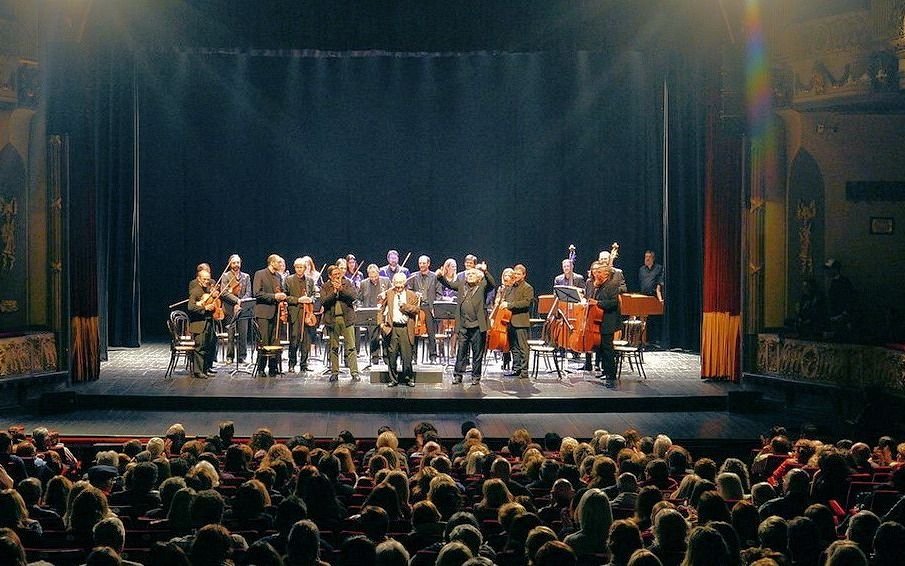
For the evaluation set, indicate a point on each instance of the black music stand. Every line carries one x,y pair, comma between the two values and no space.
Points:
571,295
366,317
246,312
446,310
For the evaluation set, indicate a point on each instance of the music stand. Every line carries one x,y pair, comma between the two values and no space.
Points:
366,317
246,312
446,310
569,295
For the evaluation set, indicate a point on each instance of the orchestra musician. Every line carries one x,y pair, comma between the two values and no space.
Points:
469,262
519,300
267,286
471,318
300,289
449,271
392,267
370,294
397,322
353,274
650,278
312,273
603,290
568,275
424,284
497,296
338,297
201,322
236,280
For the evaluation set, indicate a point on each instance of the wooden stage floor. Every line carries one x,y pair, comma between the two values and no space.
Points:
132,397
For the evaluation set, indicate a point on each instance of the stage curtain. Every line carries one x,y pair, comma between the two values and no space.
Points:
722,250
85,360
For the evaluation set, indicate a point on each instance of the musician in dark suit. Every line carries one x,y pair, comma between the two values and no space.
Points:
201,322
519,300
236,280
267,286
300,289
568,275
370,294
471,318
424,284
338,297
603,291
392,267
396,319
617,278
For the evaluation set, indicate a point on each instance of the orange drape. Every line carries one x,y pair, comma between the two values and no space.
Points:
86,358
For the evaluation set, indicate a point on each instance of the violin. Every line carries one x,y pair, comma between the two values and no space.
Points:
213,298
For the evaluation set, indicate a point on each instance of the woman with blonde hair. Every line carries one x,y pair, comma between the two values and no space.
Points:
729,486
346,463
594,517
277,452
203,476
473,462
495,495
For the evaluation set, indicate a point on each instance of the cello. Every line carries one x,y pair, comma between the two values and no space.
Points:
588,317
500,318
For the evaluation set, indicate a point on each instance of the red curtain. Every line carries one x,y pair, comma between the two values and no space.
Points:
723,184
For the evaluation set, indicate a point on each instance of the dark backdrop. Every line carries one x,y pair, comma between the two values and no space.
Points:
511,156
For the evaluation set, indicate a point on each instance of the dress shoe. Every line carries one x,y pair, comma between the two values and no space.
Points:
512,374
392,384
303,369
291,369
210,373
409,384
333,378
356,377
586,367
197,375
475,380
433,359
229,360
457,379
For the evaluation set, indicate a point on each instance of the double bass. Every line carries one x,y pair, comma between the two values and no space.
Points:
500,318
585,335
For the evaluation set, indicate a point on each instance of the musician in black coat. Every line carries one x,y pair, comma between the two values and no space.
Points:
424,283
338,297
471,318
603,291
201,323
267,286
370,295
519,299
235,279
300,289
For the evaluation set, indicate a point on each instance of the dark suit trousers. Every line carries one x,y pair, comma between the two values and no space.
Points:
518,345
299,344
267,326
205,347
607,354
375,337
240,328
400,347
431,323
470,341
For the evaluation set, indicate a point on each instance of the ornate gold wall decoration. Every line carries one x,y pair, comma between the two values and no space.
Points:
849,365
9,210
806,213
9,305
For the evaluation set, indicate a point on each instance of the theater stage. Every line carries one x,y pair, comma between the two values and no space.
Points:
134,379
132,397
